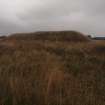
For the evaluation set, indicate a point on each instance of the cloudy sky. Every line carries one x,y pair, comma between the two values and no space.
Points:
87,16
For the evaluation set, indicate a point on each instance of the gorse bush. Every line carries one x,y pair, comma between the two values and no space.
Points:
46,72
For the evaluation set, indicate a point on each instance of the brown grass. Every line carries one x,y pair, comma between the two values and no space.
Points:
46,72
67,36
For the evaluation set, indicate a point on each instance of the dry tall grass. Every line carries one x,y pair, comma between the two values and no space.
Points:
37,72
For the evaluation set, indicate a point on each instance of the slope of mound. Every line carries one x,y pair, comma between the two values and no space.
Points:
51,73
52,36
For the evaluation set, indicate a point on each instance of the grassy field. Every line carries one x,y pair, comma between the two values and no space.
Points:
52,68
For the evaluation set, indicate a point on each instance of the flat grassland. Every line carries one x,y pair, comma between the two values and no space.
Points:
52,68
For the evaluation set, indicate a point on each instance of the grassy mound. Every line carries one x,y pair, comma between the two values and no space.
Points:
72,36
51,73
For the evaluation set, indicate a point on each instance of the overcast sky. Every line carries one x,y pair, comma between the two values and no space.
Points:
87,16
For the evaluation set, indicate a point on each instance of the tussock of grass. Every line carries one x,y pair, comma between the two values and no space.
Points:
45,72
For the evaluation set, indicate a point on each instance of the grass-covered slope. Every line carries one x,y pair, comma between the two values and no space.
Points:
52,36
37,72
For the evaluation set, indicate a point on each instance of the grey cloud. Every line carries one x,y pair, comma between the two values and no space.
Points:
86,16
